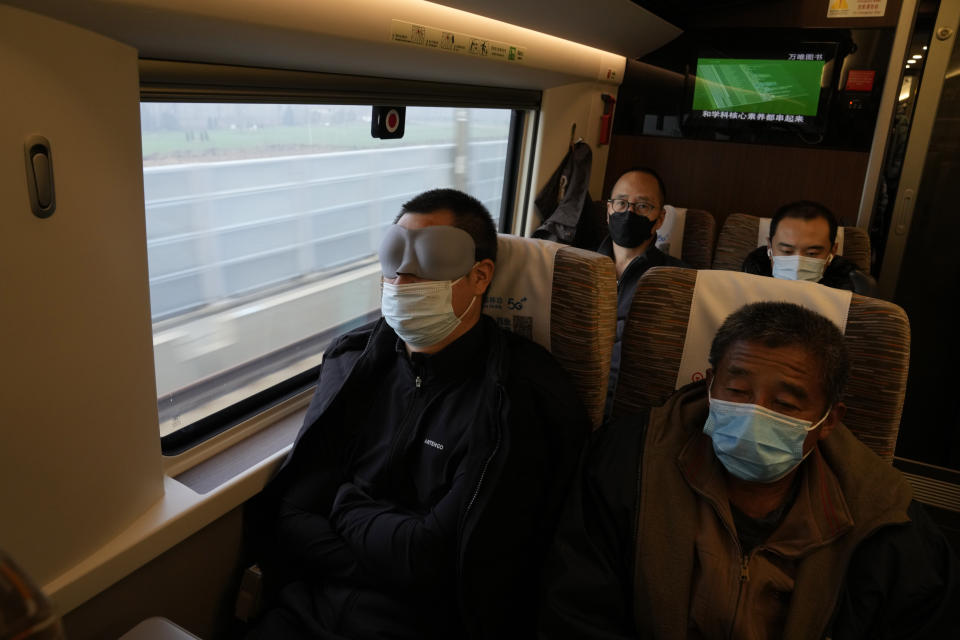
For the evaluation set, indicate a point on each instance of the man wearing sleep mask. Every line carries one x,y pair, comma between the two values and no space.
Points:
433,277
423,490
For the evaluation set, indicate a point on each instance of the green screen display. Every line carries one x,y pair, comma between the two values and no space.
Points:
758,86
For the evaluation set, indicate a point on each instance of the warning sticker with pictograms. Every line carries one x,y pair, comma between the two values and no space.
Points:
455,42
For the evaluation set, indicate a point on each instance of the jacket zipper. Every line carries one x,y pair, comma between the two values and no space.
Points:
404,424
741,585
627,271
483,473
825,630
744,576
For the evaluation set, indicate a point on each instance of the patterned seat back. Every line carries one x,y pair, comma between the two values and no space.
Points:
856,247
739,236
580,301
877,336
698,236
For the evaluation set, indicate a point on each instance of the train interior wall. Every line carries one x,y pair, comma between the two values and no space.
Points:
194,584
725,178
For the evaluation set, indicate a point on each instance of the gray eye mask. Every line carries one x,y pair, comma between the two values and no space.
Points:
433,253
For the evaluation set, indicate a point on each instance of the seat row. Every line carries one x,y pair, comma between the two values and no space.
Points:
691,235
565,299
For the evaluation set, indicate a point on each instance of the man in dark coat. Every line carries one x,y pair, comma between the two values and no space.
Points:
635,212
803,246
743,508
428,477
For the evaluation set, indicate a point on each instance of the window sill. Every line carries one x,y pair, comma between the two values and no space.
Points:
199,487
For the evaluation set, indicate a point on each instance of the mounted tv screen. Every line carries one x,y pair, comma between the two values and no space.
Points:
781,89
758,86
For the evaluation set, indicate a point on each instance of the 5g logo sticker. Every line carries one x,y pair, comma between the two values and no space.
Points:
516,305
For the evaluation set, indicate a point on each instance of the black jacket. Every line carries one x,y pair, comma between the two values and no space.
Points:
523,448
565,204
841,273
626,287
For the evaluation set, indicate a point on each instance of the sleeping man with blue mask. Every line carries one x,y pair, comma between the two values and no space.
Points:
425,484
744,508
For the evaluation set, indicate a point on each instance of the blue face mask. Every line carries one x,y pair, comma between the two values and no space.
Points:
754,443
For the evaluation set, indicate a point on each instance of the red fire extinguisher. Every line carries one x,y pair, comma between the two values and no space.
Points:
606,118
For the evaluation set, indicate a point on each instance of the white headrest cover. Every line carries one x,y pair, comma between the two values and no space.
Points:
670,233
717,294
521,293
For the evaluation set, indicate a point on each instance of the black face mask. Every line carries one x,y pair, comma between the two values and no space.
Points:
630,230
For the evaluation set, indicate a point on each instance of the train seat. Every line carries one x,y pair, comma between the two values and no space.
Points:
563,298
696,229
675,313
742,233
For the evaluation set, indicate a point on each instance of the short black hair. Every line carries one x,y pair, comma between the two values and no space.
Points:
651,172
469,214
784,324
805,210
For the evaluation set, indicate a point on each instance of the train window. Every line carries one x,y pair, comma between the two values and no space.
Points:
262,225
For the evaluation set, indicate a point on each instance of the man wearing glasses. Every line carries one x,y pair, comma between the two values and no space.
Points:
634,213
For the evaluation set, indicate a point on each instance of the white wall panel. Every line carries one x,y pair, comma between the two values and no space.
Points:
79,458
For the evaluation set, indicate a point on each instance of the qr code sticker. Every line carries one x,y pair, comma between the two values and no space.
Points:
503,323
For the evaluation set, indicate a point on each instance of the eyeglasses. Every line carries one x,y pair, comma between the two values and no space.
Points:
620,205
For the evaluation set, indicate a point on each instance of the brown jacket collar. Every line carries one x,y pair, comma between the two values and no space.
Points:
819,513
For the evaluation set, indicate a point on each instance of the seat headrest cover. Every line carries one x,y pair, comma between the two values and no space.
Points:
440,252
670,233
763,234
717,294
521,294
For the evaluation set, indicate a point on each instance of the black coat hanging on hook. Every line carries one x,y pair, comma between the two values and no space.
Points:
565,205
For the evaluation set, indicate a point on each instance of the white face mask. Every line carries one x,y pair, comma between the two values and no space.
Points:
421,312
799,267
